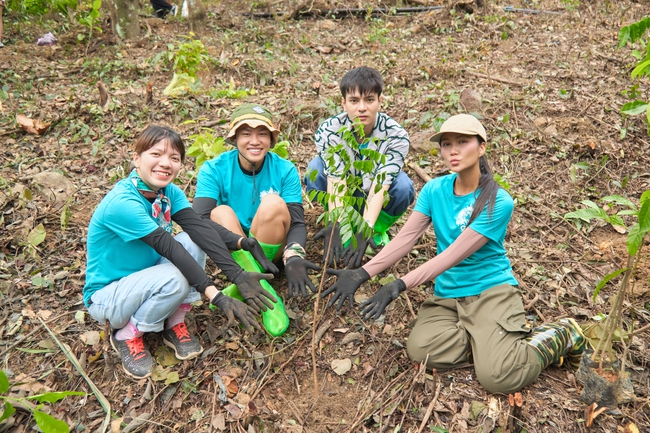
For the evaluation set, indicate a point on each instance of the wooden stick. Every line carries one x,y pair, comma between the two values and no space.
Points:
499,79
427,415
425,177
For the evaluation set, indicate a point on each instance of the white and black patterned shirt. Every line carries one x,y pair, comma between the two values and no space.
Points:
391,140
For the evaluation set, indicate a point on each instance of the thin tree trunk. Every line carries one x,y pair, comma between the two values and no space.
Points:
197,16
124,19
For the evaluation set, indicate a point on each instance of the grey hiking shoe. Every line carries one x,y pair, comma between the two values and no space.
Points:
185,345
136,359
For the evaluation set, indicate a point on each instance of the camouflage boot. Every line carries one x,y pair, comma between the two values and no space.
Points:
555,341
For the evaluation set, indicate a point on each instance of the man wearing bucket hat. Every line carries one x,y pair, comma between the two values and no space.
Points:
254,192
476,312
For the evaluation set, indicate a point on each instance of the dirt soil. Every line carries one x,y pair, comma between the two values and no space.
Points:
550,88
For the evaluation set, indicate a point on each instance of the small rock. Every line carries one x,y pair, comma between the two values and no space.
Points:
551,130
54,186
540,121
328,25
421,143
471,100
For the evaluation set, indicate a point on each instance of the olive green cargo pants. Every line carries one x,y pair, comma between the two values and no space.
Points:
490,326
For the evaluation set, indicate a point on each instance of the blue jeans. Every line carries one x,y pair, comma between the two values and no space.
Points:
147,297
401,191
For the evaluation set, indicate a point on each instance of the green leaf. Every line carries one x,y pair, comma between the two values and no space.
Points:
9,410
623,36
641,69
587,215
634,108
52,397
590,203
644,217
644,197
49,424
437,429
616,220
37,235
4,382
606,279
634,239
65,217
620,200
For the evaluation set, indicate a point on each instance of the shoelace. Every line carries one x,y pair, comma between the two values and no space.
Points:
182,333
136,348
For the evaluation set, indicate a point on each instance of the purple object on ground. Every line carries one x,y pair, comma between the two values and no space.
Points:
47,39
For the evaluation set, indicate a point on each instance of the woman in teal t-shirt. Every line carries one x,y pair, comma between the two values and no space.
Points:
476,310
140,278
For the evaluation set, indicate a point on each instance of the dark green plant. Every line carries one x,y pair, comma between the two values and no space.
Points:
47,423
347,215
631,34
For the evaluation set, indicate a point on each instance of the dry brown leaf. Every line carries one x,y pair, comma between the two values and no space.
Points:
324,50
32,126
233,410
232,346
591,413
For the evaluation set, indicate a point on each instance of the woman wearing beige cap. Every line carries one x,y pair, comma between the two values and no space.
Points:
476,309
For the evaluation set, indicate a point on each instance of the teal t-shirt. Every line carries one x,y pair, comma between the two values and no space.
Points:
114,248
449,213
222,179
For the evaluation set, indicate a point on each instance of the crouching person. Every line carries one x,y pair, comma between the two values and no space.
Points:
139,277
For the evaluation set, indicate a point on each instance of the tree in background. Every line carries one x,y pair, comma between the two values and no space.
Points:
124,18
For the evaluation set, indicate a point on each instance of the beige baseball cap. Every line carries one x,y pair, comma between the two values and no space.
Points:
461,124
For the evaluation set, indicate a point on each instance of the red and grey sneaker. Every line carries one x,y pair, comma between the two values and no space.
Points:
185,345
136,359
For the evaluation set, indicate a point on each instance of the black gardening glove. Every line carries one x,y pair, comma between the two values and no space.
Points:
352,256
335,250
347,282
252,246
234,308
375,306
248,284
296,271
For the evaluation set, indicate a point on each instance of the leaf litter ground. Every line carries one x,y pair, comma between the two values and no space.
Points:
550,89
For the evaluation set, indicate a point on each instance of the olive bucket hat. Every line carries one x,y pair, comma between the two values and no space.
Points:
461,124
253,115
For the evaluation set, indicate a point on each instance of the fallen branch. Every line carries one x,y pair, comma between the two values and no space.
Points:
427,414
499,79
425,177
530,11
344,13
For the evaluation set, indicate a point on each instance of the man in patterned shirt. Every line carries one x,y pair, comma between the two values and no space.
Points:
361,90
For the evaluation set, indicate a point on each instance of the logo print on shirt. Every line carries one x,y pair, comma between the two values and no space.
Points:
463,217
270,191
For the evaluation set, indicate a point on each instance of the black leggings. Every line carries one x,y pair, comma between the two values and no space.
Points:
161,7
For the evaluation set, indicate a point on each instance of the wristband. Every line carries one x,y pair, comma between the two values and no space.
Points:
214,298
293,250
